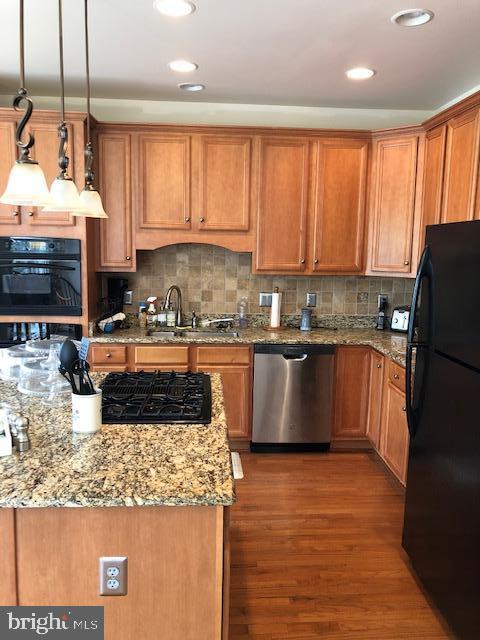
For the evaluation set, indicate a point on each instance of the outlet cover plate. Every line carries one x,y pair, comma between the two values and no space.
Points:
311,299
265,299
113,575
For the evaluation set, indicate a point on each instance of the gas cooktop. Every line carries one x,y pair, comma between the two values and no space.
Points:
156,398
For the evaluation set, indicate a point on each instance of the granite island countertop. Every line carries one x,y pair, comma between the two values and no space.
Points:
390,344
121,465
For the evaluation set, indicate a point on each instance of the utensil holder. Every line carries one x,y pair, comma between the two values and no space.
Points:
87,412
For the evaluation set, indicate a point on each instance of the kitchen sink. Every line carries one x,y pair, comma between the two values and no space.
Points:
179,333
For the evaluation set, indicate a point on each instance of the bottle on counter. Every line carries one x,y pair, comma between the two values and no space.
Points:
151,311
162,316
242,313
194,320
171,317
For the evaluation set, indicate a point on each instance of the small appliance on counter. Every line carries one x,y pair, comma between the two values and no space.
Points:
400,318
116,288
382,307
306,319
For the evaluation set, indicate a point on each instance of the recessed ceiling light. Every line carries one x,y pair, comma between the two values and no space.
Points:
360,73
191,86
182,66
174,8
412,17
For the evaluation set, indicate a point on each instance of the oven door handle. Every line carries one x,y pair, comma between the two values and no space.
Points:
36,265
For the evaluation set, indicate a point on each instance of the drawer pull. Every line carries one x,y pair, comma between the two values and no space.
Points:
187,219
14,214
404,408
128,257
108,355
406,263
30,213
396,376
202,219
379,366
302,261
316,260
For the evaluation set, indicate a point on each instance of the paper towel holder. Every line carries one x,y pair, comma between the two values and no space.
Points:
280,327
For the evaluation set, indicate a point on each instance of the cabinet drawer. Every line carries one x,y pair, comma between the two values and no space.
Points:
108,354
163,355
396,375
223,355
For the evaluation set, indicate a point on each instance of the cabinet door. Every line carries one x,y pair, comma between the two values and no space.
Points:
339,219
394,437
116,243
237,396
352,374
45,151
433,177
393,204
162,197
377,365
461,167
222,194
282,205
9,214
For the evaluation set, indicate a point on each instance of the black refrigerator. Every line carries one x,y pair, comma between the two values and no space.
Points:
441,531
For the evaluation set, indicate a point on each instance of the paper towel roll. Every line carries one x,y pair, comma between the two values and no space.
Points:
275,311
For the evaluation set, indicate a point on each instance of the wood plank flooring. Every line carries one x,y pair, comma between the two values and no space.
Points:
316,553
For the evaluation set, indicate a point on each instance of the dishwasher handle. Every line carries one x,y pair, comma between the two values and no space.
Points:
295,358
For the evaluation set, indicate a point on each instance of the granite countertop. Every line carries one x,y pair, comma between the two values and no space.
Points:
121,465
390,344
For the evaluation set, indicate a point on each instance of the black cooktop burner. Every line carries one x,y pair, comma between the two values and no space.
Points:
156,397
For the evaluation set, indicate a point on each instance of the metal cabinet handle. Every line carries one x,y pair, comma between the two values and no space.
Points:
187,219
379,366
128,257
396,376
202,219
406,263
30,213
108,355
316,261
302,261
404,408
14,214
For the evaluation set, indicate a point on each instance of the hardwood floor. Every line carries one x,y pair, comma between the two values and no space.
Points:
316,553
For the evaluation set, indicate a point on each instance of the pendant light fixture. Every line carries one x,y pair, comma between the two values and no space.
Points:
26,183
63,191
89,197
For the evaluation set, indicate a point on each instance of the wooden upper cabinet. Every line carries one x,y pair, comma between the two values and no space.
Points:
282,204
9,214
461,167
45,152
339,206
221,197
162,195
393,204
433,177
116,243
352,378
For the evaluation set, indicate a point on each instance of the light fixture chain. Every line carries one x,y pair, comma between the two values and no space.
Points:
63,159
87,66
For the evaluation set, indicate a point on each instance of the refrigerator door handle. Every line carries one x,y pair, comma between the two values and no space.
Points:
408,391
424,270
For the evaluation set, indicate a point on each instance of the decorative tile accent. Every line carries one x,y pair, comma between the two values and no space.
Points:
213,280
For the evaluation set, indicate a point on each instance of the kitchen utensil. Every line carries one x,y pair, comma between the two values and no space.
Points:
68,357
84,347
85,384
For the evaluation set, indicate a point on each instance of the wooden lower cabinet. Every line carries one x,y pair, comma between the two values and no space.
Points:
394,432
233,362
176,566
377,367
8,570
352,375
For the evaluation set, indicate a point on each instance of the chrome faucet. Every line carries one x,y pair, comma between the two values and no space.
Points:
179,314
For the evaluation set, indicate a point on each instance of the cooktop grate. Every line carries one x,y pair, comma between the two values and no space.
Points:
156,397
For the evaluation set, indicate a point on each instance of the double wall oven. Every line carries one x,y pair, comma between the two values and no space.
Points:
39,277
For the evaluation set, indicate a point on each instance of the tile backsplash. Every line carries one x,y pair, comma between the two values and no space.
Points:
213,280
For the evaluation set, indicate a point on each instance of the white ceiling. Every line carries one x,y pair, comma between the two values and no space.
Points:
287,52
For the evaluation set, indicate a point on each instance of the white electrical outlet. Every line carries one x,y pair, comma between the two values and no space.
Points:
113,576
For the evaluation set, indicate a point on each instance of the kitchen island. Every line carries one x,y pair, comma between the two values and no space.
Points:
158,494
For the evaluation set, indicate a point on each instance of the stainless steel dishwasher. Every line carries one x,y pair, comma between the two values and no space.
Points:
292,397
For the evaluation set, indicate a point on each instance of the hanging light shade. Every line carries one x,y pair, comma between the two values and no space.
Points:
63,191
26,183
90,199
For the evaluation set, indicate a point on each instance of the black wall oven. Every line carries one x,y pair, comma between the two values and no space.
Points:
40,276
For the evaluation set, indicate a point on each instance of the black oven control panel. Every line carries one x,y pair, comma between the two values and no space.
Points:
40,246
